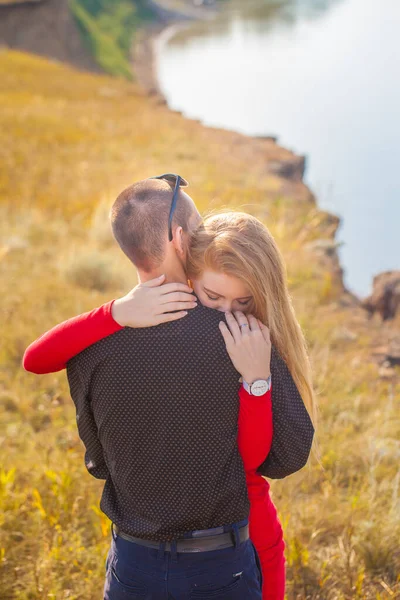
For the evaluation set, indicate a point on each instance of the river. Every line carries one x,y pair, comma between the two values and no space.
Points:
322,75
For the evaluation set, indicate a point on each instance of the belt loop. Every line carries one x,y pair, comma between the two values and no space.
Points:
174,552
161,551
236,537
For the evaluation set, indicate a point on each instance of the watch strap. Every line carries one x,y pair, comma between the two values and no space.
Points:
246,386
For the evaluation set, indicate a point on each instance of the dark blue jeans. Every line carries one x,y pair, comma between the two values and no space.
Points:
136,572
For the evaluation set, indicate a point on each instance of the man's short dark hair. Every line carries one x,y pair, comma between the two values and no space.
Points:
139,220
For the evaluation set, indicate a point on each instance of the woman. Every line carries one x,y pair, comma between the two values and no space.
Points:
233,264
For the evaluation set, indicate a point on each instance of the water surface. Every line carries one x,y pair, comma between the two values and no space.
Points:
323,75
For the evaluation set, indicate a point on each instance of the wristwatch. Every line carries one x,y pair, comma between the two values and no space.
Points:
258,387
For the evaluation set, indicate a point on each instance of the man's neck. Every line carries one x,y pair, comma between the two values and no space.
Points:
177,275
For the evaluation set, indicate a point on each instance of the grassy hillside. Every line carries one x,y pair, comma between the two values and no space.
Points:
70,143
107,27
7,2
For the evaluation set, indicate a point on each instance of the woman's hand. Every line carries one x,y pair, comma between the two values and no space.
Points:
248,344
151,303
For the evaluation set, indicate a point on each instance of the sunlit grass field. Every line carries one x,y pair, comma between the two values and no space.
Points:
69,143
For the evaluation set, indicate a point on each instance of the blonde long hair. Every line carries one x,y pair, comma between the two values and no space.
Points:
240,245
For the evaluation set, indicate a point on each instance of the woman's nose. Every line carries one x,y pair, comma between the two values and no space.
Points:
225,306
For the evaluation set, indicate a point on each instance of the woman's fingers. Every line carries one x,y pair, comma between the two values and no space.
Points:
263,327
147,303
264,331
172,306
244,325
154,282
254,326
233,326
175,287
166,318
226,334
178,297
249,351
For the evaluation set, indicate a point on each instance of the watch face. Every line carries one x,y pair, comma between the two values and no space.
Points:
259,388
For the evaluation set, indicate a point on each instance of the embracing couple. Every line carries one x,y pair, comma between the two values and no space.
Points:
186,396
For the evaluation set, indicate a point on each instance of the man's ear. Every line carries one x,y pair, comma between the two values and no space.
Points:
179,242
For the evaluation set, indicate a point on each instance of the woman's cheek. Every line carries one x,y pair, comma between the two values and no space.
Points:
201,296
205,300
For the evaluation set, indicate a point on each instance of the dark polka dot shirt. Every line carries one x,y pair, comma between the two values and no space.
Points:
157,409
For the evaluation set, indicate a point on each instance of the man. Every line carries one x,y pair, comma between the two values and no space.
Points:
157,411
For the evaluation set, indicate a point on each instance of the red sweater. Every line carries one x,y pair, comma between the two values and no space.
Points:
51,352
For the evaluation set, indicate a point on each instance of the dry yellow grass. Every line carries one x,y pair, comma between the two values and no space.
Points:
70,142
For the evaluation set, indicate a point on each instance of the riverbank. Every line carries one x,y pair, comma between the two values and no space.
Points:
284,164
289,166
283,74
170,16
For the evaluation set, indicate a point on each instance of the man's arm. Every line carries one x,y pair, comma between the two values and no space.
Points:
79,388
292,426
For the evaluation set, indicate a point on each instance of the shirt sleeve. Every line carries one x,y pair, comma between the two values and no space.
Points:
267,536
51,351
292,426
254,428
87,428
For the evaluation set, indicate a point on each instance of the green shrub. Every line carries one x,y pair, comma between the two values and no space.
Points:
107,27
108,35
92,271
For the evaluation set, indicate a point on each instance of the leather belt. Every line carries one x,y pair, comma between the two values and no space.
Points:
200,543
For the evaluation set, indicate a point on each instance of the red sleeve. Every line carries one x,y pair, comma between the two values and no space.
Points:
51,351
254,441
254,428
267,537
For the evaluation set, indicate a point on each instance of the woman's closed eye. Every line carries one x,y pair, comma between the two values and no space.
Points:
244,302
214,299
